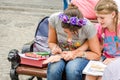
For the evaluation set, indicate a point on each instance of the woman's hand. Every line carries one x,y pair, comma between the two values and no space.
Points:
68,55
56,50
53,58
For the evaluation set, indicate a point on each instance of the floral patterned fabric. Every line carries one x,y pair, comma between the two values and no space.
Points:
111,42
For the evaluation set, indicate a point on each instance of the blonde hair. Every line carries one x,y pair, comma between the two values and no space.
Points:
107,7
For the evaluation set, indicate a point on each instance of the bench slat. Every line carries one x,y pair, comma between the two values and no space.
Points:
33,71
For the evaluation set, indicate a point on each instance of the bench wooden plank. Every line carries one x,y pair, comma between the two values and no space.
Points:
33,71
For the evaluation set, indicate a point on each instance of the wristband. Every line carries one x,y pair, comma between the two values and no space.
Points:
84,55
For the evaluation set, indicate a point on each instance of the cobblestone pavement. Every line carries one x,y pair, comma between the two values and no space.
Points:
18,21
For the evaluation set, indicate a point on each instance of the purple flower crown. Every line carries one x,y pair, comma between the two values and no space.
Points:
72,20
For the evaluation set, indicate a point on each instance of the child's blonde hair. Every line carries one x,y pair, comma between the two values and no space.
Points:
107,7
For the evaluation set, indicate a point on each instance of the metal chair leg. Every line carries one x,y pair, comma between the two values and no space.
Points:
39,78
31,78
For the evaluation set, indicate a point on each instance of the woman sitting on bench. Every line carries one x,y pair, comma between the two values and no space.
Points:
70,35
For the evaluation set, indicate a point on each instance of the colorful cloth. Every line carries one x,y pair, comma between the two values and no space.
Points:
86,7
111,42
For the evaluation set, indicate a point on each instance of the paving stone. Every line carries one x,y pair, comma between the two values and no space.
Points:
18,22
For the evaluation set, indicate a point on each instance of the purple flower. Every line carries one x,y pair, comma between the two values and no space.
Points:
64,18
73,20
82,22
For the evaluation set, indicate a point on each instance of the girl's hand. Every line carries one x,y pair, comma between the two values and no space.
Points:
108,60
56,50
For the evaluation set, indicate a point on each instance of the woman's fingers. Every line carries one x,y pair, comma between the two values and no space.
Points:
54,58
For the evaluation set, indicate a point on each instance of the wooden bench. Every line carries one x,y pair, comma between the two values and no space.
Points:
20,69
